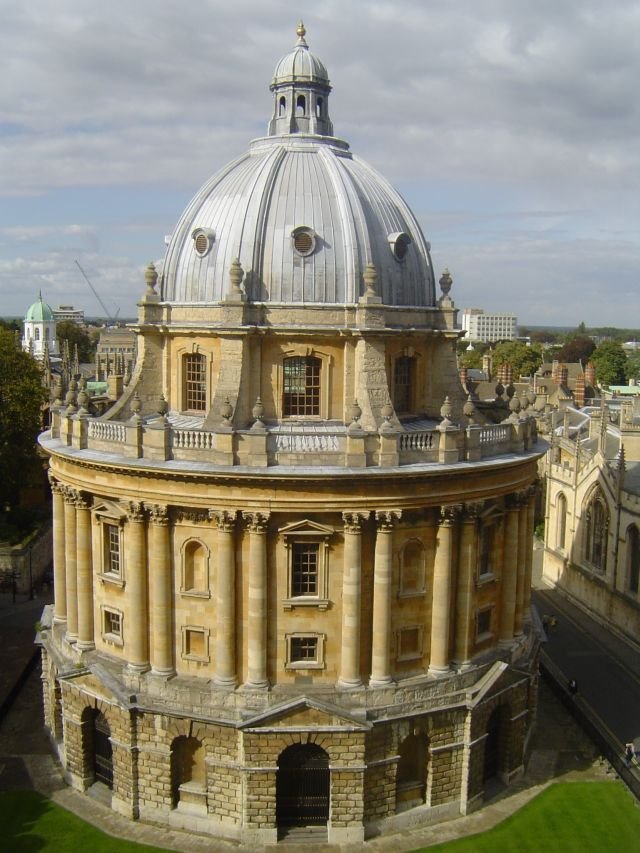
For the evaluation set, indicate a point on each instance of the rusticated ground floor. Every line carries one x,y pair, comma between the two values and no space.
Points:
351,768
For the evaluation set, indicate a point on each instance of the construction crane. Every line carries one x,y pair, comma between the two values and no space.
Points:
113,319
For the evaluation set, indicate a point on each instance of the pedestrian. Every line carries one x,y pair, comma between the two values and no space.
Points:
629,754
572,687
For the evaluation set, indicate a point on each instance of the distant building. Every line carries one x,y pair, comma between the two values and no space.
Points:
68,312
115,343
39,330
481,326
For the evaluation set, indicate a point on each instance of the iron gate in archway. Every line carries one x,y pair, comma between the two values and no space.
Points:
303,786
103,766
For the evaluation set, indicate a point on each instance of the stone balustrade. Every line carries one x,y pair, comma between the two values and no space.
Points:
302,444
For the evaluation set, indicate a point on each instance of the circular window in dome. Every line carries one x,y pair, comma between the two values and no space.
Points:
202,240
304,240
399,243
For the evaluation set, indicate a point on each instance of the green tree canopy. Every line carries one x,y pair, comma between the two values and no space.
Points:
632,368
525,360
67,330
577,348
610,361
21,398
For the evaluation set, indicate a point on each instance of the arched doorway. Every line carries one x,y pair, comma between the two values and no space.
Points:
302,786
411,773
188,773
97,746
493,757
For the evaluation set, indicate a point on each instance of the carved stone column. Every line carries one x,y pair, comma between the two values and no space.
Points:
160,592
59,569
351,600
225,662
383,569
509,572
84,568
136,628
441,607
70,558
523,546
257,523
467,570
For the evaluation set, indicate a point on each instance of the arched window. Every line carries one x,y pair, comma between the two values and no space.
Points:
36,334
188,774
301,106
633,558
195,567
412,568
411,773
301,386
194,372
561,515
319,108
596,533
282,106
403,382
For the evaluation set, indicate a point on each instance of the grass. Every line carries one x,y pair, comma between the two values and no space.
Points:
34,824
572,817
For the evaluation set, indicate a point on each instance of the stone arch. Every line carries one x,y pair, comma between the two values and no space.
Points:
411,772
303,786
188,773
195,566
561,520
495,757
596,534
97,752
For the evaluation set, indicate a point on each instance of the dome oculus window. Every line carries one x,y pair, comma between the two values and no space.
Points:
399,243
304,241
202,241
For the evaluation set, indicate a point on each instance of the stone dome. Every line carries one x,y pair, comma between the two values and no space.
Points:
39,312
302,214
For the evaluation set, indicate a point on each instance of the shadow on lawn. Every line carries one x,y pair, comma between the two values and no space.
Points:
20,813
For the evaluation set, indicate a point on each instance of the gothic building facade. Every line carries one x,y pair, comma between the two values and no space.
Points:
292,563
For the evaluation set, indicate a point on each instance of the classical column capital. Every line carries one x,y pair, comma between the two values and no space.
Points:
387,518
450,514
195,516
353,521
56,486
256,522
136,511
470,512
223,519
158,513
76,498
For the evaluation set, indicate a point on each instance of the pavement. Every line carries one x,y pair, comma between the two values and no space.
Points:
559,751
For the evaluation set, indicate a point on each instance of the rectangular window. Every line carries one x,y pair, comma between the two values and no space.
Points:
304,578
195,643
112,625
301,391
402,384
112,549
195,383
410,643
305,651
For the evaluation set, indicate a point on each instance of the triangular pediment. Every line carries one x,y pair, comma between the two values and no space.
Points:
306,527
304,713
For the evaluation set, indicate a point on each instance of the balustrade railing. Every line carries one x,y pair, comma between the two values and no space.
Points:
110,431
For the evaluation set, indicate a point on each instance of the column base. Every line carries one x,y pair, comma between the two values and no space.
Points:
230,683
85,645
438,670
72,639
255,685
138,668
59,620
385,681
162,673
348,684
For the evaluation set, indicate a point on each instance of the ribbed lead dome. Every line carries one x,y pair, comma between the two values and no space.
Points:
304,216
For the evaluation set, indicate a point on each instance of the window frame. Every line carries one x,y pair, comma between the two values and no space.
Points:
487,634
596,532
195,592
185,382
108,518
296,665
418,653
408,405
186,630
307,533
312,394
114,638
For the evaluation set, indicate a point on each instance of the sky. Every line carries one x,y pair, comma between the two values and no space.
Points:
510,126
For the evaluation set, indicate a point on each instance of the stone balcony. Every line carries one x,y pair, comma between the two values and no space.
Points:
292,444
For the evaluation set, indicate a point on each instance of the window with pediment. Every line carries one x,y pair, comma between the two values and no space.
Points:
307,547
111,520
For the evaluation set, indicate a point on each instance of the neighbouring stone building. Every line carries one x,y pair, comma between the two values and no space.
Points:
292,562
592,530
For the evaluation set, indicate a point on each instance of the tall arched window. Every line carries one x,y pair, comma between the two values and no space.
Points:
596,533
301,106
301,386
195,569
282,106
319,108
633,558
561,515
194,372
403,382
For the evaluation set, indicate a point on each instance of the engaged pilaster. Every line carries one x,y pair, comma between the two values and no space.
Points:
383,570
257,523
225,662
351,600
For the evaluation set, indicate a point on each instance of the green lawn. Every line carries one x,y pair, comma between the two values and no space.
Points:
571,817
34,824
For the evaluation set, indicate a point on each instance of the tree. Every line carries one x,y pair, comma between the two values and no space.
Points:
524,360
67,330
632,368
21,399
610,361
577,348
